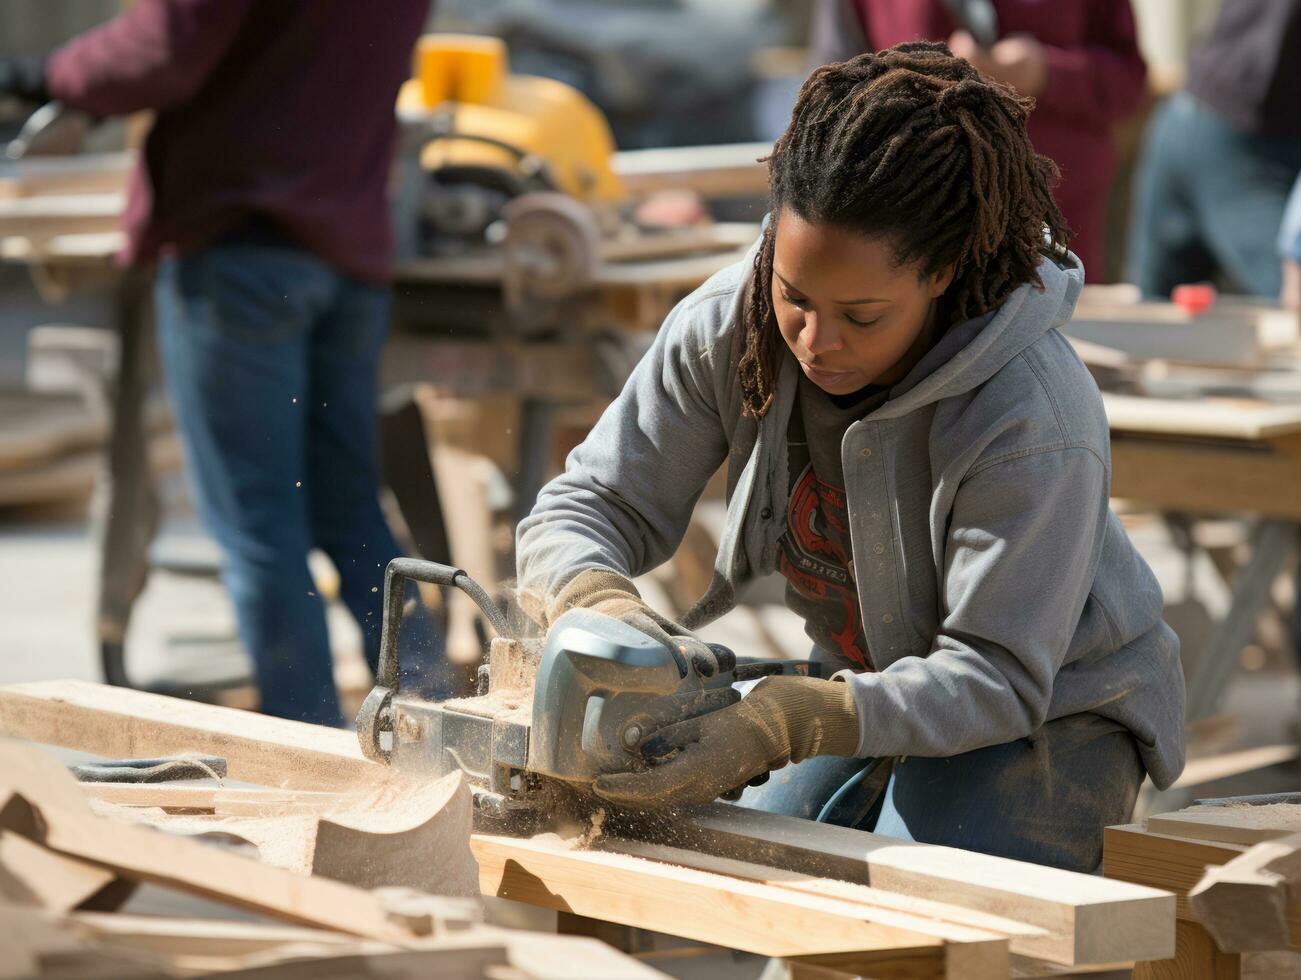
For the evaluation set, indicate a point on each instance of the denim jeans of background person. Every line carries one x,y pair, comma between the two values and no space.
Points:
271,360
1209,198
1221,156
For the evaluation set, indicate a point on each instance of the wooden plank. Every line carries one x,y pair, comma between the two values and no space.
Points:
191,941
1173,863
40,799
1222,418
1196,958
1214,767
120,723
1244,904
62,214
1229,824
32,875
707,907
1087,919
949,922
404,834
79,173
726,170
224,800
1206,479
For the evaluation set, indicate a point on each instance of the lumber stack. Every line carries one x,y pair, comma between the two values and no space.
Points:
1235,869
341,860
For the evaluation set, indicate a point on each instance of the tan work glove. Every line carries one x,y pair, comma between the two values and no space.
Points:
783,719
614,595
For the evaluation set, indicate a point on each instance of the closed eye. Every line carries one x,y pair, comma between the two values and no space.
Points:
799,304
862,323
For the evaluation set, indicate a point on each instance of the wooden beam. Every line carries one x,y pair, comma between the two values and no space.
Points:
1196,958
231,801
1206,478
1211,768
1173,863
120,723
1206,418
727,170
32,875
1246,904
1087,919
715,908
951,923
41,800
1229,824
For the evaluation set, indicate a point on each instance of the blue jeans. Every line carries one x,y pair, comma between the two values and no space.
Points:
271,360
1208,201
1043,799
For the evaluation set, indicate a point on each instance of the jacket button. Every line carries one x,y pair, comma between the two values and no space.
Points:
878,548
865,453
766,513
887,619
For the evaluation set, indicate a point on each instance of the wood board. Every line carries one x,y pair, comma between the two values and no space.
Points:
1175,864
1224,418
726,170
223,800
125,724
1229,824
40,799
711,908
1086,919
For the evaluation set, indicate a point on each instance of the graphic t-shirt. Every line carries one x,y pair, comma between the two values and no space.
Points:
816,556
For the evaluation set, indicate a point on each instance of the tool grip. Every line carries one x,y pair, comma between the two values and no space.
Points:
396,576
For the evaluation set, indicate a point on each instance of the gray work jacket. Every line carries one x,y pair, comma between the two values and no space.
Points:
998,590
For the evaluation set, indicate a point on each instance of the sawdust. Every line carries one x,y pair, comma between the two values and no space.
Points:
595,830
500,701
578,835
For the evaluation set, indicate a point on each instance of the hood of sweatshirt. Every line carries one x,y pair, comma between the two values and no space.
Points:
971,353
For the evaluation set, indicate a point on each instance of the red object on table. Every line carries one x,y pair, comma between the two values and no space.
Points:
1194,297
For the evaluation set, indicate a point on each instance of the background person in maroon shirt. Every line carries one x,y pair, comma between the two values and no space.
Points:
1079,59
261,195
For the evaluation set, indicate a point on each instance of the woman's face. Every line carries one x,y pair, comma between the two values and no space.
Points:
849,314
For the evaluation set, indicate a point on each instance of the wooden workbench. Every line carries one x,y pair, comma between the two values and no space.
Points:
1206,422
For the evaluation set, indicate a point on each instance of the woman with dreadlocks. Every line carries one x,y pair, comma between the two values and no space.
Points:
912,444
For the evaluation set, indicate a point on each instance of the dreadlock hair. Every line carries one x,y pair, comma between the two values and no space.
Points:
914,146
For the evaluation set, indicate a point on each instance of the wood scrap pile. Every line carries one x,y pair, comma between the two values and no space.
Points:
1235,868
349,892
346,866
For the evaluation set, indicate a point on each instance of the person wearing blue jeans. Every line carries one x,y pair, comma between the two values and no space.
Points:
260,196
1209,199
271,358
1040,798
1220,158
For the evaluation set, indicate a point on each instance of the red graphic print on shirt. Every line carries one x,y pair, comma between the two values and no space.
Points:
816,559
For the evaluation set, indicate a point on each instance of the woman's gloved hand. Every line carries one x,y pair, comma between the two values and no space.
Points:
614,595
783,719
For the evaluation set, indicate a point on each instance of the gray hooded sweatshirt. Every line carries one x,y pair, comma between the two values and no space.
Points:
998,591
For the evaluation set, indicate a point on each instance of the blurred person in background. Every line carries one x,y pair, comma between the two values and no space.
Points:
1078,59
1221,156
260,195
1289,246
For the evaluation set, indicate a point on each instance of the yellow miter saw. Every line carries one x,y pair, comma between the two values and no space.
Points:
511,162
551,715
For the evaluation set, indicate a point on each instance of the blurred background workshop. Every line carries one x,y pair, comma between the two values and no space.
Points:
189,509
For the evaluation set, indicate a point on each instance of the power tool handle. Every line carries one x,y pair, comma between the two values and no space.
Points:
396,575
